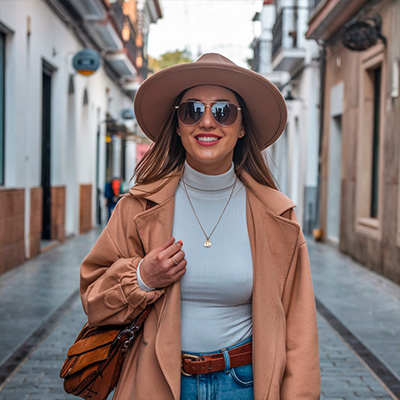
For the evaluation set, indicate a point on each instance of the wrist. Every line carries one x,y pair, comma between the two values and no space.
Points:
141,281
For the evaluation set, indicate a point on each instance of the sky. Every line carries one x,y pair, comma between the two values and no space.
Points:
200,26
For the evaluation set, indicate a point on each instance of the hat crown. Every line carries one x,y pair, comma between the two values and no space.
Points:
214,58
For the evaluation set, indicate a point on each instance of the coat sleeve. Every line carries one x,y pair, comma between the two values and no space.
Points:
108,283
302,379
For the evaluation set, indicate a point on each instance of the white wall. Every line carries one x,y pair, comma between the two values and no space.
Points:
73,127
295,154
267,19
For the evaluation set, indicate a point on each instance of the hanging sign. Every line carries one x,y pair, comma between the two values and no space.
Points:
86,62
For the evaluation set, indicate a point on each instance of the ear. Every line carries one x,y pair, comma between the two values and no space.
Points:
241,132
177,131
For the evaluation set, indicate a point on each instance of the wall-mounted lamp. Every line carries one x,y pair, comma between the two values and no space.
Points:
362,34
289,96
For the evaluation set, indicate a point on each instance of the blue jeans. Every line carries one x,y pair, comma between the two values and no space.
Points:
233,383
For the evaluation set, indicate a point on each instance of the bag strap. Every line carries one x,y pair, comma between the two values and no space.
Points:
139,320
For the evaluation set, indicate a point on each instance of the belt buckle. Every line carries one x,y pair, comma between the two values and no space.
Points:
190,357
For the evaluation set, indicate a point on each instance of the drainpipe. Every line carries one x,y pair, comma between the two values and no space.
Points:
317,222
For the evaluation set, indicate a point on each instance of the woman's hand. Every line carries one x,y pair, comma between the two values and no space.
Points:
158,268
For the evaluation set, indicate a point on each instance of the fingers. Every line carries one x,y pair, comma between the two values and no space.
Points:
177,271
178,257
159,268
179,274
171,250
166,244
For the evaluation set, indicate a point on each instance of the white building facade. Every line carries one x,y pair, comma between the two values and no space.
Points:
56,124
284,56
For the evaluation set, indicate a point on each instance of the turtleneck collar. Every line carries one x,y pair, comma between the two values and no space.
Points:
201,181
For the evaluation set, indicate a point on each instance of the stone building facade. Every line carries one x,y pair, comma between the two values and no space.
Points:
359,175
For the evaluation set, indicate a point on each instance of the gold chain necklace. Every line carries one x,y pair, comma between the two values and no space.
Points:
207,242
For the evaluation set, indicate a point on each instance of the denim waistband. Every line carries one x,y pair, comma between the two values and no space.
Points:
242,342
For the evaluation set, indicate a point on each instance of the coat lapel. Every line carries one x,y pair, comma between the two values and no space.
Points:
272,243
154,227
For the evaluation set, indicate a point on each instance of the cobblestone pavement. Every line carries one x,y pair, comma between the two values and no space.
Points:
32,292
344,375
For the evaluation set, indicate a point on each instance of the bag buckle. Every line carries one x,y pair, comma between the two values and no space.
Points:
191,357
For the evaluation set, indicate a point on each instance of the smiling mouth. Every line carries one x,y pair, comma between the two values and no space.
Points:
207,138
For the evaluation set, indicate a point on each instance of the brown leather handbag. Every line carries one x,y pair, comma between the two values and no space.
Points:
94,361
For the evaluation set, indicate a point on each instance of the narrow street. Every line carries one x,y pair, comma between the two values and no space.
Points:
41,314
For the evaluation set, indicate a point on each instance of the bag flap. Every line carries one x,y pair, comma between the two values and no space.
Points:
91,343
81,362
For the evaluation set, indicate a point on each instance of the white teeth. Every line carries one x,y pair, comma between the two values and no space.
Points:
207,139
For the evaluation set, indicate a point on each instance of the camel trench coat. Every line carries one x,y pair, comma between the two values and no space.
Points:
285,341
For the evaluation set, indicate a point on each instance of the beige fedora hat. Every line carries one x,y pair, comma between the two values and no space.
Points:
156,96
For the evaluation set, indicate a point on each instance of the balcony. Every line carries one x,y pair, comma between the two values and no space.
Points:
288,43
89,9
104,34
122,63
117,14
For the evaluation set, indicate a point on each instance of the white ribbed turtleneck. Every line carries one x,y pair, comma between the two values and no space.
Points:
217,287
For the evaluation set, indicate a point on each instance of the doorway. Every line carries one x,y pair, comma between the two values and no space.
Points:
47,72
335,180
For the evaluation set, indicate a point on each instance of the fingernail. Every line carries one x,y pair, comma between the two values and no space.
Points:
180,241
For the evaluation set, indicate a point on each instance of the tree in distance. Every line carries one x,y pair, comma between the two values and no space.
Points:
168,59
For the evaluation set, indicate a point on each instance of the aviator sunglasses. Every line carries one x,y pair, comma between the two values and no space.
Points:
191,112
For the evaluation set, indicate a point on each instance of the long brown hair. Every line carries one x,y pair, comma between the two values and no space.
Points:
167,155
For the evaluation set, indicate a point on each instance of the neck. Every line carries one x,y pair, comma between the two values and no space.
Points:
199,180
209,169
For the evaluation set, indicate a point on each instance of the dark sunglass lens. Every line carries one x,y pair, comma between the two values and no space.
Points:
224,113
190,112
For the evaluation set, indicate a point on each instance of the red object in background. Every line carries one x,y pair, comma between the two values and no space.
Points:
268,2
116,186
141,150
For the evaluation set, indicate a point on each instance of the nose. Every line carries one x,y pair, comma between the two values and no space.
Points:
208,120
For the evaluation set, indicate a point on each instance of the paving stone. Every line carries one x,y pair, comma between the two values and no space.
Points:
364,301
46,282
347,376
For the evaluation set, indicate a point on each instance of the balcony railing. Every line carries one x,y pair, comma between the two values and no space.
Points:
285,31
130,46
117,14
277,33
288,38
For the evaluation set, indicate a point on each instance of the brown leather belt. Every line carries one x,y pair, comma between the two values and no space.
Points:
193,364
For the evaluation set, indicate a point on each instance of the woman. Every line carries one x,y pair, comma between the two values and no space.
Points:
207,238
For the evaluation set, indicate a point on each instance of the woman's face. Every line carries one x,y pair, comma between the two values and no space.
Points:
209,146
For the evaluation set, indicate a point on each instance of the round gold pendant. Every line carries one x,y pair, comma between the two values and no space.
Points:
207,243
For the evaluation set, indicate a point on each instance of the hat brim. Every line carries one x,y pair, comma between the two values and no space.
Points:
156,97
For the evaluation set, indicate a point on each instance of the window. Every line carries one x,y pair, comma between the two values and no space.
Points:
2,101
369,144
376,78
